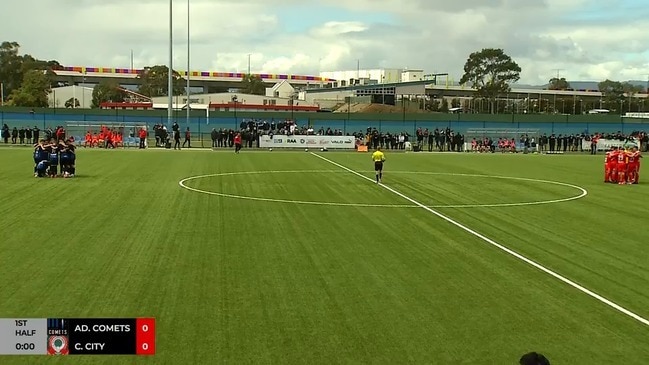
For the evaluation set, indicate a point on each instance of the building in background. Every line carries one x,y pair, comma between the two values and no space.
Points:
364,77
282,89
65,96
412,75
228,102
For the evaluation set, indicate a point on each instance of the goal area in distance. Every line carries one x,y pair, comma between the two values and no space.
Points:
129,130
497,133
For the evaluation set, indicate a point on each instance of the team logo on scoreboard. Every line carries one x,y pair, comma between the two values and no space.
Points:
57,345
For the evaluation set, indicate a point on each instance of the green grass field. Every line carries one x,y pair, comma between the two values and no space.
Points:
352,274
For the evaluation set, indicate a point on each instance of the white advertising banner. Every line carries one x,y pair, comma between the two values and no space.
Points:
606,144
328,142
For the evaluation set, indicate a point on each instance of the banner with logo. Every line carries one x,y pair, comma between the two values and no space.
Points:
328,142
606,144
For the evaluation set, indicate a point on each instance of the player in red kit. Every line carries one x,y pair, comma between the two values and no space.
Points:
610,163
237,143
622,164
634,165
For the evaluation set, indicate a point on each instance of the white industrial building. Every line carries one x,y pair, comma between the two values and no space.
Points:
281,90
412,75
363,94
363,77
374,76
58,97
238,101
224,98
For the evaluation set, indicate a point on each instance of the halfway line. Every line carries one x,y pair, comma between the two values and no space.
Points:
497,245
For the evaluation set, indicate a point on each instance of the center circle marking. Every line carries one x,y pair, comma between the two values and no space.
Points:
582,192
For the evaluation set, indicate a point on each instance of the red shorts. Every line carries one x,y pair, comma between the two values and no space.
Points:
633,167
621,167
610,166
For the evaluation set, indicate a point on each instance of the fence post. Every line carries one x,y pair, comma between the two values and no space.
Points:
200,136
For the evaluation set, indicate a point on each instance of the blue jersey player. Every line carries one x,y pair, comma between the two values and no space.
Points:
40,154
53,159
41,168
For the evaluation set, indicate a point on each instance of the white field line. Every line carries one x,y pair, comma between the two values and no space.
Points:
499,246
183,184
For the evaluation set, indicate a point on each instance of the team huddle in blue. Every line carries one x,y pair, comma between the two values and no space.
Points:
50,156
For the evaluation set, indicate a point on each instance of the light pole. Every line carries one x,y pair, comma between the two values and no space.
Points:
2,94
349,108
383,89
320,71
293,97
83,90
188,67
403,102
236,122
170,85
249,54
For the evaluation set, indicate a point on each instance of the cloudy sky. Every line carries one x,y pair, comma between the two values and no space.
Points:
587,40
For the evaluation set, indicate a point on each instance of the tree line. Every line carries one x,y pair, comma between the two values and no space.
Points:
27,82
491,72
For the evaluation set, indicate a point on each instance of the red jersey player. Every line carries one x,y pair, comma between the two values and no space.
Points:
610,163
634,165
622,165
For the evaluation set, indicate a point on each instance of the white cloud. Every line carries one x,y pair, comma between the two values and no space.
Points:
438,36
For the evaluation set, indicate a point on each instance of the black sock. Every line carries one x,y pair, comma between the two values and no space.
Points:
377,177
380,175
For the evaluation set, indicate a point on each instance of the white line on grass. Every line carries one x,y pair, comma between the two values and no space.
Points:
497,245
183,184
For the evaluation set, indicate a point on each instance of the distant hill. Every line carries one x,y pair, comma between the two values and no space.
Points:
577,85
583,85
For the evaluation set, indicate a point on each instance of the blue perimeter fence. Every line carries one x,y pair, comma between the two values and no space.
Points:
202,126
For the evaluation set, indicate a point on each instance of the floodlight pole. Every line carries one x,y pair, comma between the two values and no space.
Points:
188,65
170,71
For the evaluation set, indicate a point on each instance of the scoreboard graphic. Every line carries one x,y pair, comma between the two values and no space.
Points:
77,336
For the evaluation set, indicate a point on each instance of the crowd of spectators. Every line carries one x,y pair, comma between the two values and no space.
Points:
439,139
26,135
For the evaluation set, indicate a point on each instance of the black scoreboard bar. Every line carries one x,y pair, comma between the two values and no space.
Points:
77,336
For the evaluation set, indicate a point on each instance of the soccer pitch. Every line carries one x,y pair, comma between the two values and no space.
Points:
299,258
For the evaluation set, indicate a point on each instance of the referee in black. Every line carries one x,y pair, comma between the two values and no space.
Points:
379,158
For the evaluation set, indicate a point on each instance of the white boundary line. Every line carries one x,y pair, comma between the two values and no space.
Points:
182,182
498,245
271,200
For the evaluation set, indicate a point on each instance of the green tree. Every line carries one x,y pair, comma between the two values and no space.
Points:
154,82
630,91
105,91
72,103
558,84
490,71
433,105
33,91
10,67
444,107
13,66
253,84
612,94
